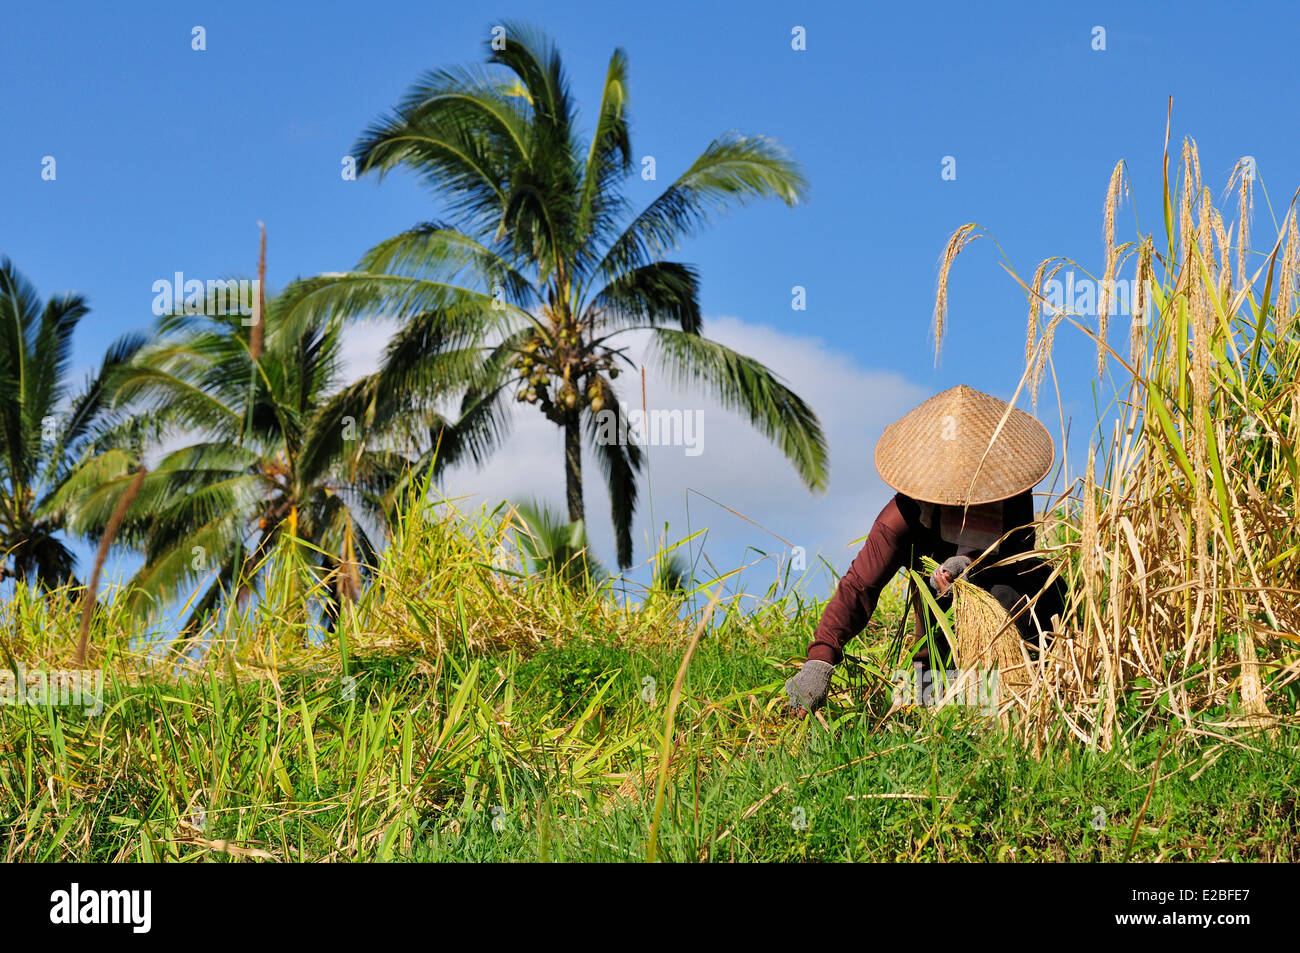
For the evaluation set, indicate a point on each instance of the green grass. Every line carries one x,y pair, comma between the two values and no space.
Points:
465,711
553,757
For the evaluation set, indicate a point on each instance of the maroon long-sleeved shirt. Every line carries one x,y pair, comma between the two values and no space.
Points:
899,538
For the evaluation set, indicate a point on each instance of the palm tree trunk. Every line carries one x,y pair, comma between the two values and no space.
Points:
573,466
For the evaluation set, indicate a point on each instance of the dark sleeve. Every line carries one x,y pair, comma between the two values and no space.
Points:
849,610
1018,520
1019,527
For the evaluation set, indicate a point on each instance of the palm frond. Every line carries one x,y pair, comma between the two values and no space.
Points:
609,156
435,250
746,386
620,464
662,292
733,171
553,546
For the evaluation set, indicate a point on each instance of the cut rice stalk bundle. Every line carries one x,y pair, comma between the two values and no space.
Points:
986,638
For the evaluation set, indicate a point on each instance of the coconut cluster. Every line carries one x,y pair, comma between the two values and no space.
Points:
556,374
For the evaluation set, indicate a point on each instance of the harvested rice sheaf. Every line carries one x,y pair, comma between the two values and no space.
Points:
986,638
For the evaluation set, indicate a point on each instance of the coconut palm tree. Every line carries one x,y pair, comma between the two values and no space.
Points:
43,426
540,269
248,475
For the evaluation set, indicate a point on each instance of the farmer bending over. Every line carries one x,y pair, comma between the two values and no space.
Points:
955,501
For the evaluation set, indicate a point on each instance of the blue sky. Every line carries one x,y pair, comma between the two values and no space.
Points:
167,158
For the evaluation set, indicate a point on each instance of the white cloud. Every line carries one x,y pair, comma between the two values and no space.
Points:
362,347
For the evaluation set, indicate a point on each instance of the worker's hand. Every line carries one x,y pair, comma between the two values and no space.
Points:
807,690
943,577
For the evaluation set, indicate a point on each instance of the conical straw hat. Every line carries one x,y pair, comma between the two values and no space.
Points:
943,451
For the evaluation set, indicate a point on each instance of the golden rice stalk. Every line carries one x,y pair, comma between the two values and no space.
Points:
1205,231
1108,278
1225,249
1201,330
1185,229
1043,349
1201,327
1044,352
1088,522
1287,280
1245,202
1035,301
959,240
1094,611
1201,293
1142,306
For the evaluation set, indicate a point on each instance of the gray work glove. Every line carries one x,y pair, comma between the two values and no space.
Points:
807,690
943,576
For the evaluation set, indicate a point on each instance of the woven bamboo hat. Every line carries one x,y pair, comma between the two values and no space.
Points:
943,451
